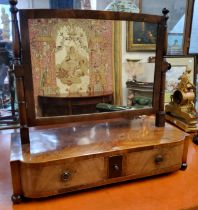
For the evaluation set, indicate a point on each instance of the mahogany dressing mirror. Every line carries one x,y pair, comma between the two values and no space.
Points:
72,57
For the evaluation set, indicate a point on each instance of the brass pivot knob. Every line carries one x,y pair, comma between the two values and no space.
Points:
116,167
159,159
65,176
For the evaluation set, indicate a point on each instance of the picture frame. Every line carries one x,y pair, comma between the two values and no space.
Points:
178,65
175,43
141,36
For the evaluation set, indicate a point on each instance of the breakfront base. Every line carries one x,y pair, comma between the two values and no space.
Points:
80,156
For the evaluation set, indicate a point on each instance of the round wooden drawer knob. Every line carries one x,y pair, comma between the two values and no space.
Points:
116,167
65,176
159,159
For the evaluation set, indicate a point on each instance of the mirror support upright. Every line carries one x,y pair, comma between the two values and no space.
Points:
18,71
160,115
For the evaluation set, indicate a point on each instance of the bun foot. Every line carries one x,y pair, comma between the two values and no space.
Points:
195,139
183,166
16,199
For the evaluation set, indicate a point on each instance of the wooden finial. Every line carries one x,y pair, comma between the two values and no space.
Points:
165,13
13,4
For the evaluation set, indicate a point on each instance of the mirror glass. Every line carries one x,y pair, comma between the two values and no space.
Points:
81,66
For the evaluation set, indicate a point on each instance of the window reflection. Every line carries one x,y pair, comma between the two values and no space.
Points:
176,21
5,30
194,32
8,105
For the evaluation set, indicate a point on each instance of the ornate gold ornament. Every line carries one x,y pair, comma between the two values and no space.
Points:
181,110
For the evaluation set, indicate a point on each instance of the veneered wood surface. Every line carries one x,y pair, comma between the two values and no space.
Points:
83,151
44,180
175,191
41,180
94,138
143,162
89,14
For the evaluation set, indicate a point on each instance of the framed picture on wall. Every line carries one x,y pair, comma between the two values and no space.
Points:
179,65
175,43
141,36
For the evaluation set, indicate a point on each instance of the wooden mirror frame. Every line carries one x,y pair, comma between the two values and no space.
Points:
22,66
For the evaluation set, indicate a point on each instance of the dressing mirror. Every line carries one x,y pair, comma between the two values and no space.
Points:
73,69
76,55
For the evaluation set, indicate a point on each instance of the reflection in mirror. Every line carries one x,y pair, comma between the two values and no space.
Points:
176,21
140,77
75,68
138,73
141,36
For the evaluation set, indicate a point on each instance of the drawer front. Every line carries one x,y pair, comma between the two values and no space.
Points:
153,161
41,180
49,179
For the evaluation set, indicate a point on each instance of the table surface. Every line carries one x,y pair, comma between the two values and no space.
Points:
174,191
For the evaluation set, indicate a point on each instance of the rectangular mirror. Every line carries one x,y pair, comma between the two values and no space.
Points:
72,65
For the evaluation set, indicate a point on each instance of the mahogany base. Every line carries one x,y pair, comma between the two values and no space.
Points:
80,156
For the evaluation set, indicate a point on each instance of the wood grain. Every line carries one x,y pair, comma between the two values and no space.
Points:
46,180
83,150
144,161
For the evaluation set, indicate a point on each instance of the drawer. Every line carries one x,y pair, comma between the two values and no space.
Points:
155,161
54,178
51,178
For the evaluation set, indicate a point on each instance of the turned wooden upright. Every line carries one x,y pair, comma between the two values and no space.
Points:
19,74
160,115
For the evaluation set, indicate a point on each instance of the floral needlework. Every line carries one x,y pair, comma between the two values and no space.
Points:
71,56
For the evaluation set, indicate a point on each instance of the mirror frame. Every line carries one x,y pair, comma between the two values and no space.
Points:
23,72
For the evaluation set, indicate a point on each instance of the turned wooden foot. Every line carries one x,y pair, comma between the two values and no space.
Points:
16,199
183,166
195,139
